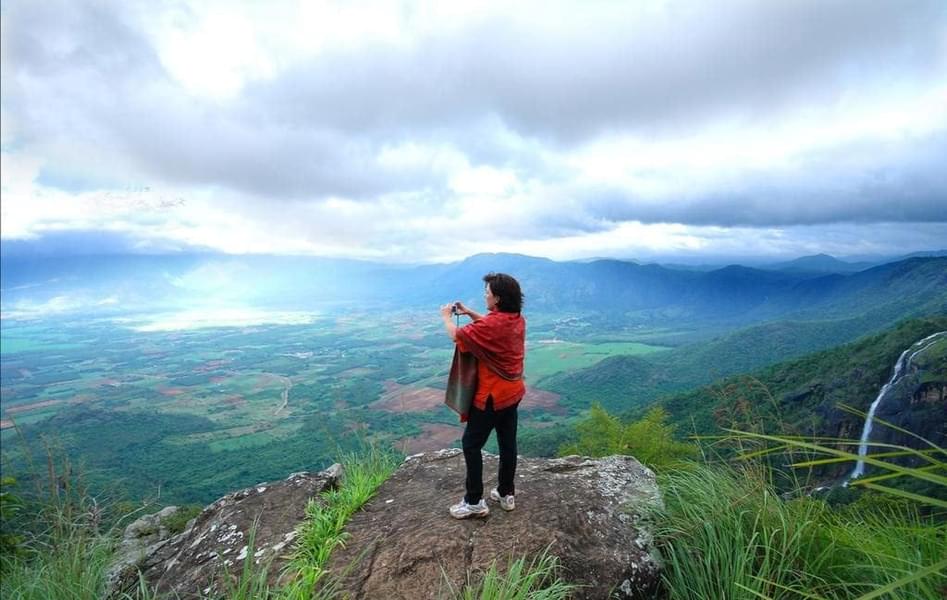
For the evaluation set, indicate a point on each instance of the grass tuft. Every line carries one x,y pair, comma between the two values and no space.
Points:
68,562
537,579
322,531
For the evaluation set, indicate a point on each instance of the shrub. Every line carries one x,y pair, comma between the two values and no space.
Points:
651,439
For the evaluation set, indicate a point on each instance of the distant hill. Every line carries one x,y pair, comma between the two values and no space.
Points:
909,287
923,254
819,263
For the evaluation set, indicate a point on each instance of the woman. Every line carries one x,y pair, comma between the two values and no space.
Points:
497,340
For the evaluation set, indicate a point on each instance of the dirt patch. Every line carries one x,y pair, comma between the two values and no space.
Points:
434,436
13,410
211,365
541,399
171,392
357,372
406,398
268,381
235,400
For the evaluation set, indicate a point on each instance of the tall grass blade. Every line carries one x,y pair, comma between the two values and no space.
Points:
903,494
889,425
904,581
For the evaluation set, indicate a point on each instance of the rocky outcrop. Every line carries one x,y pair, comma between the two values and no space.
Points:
590,513
141,540
210,553
587,512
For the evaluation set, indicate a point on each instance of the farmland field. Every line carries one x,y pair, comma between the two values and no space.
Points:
196,408
548,357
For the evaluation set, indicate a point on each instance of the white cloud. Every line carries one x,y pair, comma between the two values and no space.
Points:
423,130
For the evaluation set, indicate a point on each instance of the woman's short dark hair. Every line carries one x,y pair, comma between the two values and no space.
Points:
507,289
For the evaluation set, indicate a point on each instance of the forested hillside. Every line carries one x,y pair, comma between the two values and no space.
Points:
803,396
624,383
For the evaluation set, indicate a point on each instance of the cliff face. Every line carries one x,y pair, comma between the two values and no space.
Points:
918,403
590,513
916,406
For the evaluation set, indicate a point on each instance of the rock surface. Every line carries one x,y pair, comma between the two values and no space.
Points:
197,562
141,539
403,543
587,512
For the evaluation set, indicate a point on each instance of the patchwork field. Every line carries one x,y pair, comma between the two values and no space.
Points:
235,405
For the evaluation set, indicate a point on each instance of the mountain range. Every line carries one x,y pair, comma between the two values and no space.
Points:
630,293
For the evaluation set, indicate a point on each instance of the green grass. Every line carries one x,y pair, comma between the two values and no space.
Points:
242,442
71,567
61,555
547,359
727,533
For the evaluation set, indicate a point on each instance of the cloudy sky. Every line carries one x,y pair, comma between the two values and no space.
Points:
417,132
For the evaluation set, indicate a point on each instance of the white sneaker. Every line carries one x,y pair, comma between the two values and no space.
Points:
462,510
506,502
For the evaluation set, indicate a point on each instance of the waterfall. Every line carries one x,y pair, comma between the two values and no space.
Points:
900,369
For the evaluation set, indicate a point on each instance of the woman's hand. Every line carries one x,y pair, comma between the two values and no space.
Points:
448,322
446,311
461,309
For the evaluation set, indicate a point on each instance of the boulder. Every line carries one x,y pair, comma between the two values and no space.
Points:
590,513
211,550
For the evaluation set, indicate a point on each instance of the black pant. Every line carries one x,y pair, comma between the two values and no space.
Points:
479,425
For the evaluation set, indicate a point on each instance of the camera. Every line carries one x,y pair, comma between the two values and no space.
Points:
455,308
